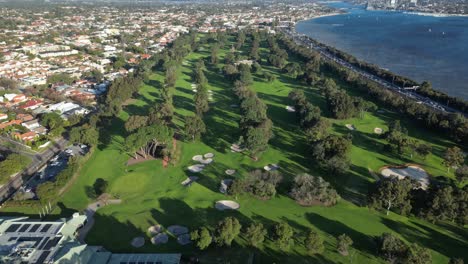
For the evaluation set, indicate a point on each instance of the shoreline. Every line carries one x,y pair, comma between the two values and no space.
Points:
432,14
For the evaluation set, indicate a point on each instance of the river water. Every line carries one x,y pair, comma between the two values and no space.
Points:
416,46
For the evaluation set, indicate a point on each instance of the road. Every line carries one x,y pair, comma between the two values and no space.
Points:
38,161
304,40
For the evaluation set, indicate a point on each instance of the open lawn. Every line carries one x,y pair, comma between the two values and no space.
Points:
152,194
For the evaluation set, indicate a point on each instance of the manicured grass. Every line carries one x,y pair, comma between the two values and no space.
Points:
152,194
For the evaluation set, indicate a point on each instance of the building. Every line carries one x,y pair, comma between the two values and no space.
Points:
27,241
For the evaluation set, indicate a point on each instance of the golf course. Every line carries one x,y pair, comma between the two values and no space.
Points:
152,194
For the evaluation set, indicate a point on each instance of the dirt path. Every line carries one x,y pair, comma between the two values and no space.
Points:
89,212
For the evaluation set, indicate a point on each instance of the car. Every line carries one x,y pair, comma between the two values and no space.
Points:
83,146
69,151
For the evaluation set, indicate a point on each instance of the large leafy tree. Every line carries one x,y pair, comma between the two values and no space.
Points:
255,234
202,237
453,157
226,231
392,193
283,234
314,243
194,127
134,122
309,190
343,242
391,248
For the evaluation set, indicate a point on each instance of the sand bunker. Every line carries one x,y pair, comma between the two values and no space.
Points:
184,239
177,230
154,230
197,158
160,239
413,172
206,161
208,155
271,167
189,181
138,242
378,130
290,109
225,185
196,168
236,148
230,172
226,205
350,127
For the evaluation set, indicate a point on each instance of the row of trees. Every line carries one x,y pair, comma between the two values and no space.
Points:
454,124
441,202
256,127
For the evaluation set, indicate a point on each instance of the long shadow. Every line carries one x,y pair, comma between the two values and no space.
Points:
361,241
429,237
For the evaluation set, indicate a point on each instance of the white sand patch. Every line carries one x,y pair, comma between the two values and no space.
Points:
208,155
413,172
177,230
196,168
225,185
350,127
206,161
226,205
154,230
184,239
271,167
160,239
197,157
290,109
230,171
189,180
138,242
236,148
378,130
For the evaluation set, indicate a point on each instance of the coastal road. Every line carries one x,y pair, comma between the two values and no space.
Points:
38,161
302,39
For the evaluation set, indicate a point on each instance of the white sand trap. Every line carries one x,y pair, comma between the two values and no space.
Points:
206,161
197,157
184,239
350,127
208,155
225,185
271,167
226,205
154,230
378,130
189,181
193,85
196,168
230,172
138,242
236,148
177,230
160,239
290,109
413,172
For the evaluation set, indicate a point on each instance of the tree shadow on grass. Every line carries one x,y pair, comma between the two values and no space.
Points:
361,241
429,237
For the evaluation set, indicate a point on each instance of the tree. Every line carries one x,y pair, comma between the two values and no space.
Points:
256,138
255,234
52,120
245,74
262,184
390,193
418,255
194,127
397,136
214,54
423,150
135,122
100,186
453,157
391,248
456,261
314,243
443,205
462,173
202,237
309,190
11,165
283,234
226,231
343,242
318,131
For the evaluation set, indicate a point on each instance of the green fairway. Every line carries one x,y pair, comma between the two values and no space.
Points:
153,194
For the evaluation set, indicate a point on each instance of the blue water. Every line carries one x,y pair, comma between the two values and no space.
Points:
419,47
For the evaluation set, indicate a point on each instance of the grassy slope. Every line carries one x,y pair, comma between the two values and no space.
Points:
152,194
